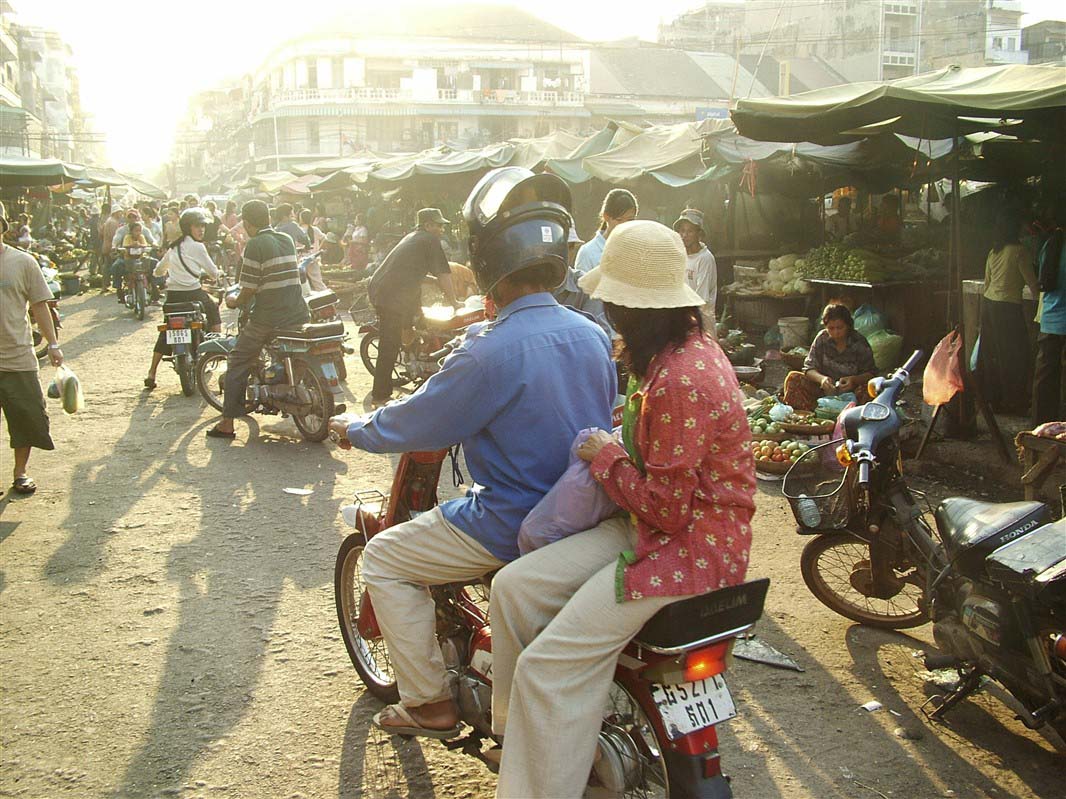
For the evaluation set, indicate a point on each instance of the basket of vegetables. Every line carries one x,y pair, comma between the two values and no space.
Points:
777,457
805,423
766,429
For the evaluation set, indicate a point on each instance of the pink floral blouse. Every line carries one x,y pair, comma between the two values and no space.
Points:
694,502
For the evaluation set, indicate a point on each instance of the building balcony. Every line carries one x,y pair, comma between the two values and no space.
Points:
1013,6
446,96
9,96
998,56
900,8
898,58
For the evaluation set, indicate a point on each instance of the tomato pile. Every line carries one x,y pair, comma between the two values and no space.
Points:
783,452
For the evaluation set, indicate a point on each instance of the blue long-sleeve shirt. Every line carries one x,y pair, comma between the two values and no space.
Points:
514,394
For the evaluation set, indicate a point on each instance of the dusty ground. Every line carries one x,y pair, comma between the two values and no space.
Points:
167,628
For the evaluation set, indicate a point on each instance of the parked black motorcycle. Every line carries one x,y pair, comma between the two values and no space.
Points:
991,577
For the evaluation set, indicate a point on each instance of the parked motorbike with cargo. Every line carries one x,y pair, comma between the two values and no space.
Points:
425,346
659,735
990,576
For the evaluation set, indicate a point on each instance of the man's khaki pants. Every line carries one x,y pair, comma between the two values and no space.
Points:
398,565
557,632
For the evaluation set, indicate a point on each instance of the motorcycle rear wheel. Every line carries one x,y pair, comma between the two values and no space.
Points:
210,376
370,658
830,564
313,426
186,373
368,351
633,763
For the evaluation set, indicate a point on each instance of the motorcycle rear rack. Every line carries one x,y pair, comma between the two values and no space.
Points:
369,497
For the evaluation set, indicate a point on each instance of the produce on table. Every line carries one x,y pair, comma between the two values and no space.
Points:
787,451
839,262
780,280
764,427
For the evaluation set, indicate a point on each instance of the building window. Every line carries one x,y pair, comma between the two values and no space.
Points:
1010,42
312,73
312,136
997,42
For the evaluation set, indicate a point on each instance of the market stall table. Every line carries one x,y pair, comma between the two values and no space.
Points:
1039,456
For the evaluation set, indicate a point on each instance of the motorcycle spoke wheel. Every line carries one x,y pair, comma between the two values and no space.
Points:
211,377
368,351
632,765
186,374
370,658
313,425
832,564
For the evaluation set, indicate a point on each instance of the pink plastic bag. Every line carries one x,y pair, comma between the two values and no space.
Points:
943,375
576,502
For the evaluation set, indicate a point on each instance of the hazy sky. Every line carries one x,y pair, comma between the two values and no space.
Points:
140,62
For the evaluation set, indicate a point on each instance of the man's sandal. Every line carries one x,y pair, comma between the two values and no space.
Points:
214,432
24,486
410,726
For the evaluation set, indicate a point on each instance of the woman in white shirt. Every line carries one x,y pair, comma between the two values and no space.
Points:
185,264
618,206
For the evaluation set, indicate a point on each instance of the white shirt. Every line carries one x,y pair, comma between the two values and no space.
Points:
588,257
194,253
701,274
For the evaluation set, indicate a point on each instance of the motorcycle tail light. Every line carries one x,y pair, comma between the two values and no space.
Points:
176,322
1058,646
709,661
843,456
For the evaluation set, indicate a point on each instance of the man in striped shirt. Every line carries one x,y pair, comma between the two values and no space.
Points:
270,276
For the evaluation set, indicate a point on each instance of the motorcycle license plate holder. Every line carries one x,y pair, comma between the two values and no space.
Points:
182,336
689,707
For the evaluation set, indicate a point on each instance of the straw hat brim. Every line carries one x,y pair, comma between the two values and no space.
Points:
609,289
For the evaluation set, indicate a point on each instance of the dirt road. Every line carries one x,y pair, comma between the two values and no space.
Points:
167,628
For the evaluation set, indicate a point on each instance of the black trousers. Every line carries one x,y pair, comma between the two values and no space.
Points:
391,325
1047,380
1003,361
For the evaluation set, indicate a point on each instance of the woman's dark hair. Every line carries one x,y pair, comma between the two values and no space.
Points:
648,331
305,217
839,313
231,207
616,203
1005,229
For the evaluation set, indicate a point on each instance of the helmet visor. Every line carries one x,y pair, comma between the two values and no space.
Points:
512,187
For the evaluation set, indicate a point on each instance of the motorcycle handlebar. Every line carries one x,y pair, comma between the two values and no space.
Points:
912,362
864,472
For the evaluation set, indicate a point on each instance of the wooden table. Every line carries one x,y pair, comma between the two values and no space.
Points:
1039,457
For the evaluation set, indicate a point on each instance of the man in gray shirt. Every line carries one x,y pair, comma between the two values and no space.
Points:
284,223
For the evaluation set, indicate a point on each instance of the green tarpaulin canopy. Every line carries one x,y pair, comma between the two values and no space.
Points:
18,171
1026,101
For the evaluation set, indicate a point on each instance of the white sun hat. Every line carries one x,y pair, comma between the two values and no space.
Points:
643,266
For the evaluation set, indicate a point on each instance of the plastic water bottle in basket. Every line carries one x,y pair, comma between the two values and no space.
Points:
819,489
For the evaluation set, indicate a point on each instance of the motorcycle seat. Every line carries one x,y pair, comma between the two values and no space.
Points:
1034,562
309,332
702,620
182,308
321,299
973,530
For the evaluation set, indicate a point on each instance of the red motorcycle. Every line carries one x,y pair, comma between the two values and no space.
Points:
425,348
658,736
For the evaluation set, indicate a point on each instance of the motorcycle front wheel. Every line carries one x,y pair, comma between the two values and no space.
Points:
186,373
368,351
370,658
836,569
140,300
314,425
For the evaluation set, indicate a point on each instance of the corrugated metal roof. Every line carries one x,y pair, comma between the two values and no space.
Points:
651,72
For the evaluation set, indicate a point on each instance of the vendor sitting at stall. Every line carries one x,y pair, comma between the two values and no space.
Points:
840,360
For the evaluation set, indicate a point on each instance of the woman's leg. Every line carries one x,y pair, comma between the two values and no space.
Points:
527,593
561,687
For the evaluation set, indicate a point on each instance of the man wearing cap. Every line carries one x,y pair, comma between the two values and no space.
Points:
396,291
22,284
701,273
269,274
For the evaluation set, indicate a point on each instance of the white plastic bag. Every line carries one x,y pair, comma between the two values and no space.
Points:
69,390
780,412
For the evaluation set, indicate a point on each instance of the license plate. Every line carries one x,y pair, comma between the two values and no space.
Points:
693,706
329,370
179,337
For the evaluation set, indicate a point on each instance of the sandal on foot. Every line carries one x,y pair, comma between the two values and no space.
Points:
410,726
149,383
214,432
24,485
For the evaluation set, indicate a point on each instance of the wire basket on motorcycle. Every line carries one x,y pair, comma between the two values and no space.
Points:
820,490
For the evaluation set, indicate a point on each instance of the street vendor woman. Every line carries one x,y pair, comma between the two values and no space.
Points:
840,360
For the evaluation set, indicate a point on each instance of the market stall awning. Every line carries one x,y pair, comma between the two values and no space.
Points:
530,153
268,182
99,176
445,162
1029,100
19,171
657,150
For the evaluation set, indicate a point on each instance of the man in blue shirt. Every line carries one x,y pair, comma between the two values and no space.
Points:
1051,343
514,394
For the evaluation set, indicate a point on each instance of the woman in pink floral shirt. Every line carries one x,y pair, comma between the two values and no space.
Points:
685,479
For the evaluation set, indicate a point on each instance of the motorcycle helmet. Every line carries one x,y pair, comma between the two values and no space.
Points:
193,216
517,219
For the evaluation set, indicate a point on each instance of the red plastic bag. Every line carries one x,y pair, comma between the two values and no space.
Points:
943,375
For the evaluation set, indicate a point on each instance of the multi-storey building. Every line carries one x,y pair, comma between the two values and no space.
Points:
716,27
20,130
1045,42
